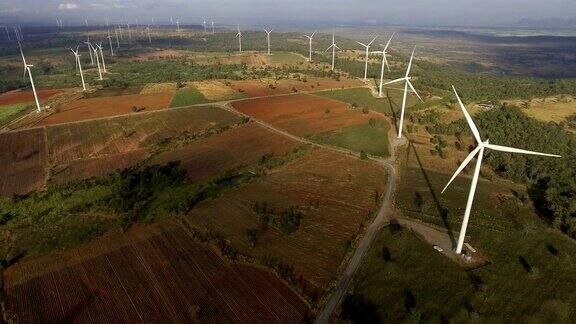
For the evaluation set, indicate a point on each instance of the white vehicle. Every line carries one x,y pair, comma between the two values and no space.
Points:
439,249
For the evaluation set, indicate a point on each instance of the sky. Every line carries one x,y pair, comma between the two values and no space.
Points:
380,12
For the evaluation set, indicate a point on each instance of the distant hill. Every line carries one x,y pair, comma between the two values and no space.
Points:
546,23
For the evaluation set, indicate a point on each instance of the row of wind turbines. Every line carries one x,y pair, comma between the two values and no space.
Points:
96,54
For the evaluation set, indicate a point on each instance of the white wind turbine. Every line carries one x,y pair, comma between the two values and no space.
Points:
110,42
79,65
129,31
212,27
99,46
367,46
268,38
407,83
27,69
310,37
204,24
333,47
97,61
149,38
479,150
90,50
239,35
116,34
384,64
178,25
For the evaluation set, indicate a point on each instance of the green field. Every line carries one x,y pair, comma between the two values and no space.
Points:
530,277
286,58
371,138
364,98
8,111
187,97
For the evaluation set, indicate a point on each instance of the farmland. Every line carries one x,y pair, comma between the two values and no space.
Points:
237,147
389,105
269,87
15,97
155,274
335,195
7,112
23,160
186,97
84,109
302,114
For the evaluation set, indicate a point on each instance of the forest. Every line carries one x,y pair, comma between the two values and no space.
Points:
551,181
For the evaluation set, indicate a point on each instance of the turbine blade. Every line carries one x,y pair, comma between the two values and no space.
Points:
362,44
394,81
468,118
410,63
329,47
389,40
338,48
462,166
414,90
373,39
314,33
515,150
386,61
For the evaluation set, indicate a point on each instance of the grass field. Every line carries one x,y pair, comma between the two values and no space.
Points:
8,111
286,58
364,98
186,97
371,138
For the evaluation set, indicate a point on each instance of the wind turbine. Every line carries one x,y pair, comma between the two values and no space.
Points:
204,23
149,38
479,150
87,42
129,31
7,33
178,25
79,65
120,32
268,38
310,43
407,83
110,42
212,27
239,35
367,46
99,46
97,61
333,47
27,69
116,34
384,63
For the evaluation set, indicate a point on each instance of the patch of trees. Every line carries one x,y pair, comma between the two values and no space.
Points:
551,181
286,220
439,147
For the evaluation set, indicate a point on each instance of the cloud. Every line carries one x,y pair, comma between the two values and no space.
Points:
67,6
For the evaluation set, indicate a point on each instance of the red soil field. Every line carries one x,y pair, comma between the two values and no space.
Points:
336,193
14,97
212,156
96,167
303,114
161,276
121,134
23,161
84,109
260,88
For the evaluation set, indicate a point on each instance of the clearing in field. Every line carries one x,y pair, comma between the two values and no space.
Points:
113,92
370,138
23,163
303,114
151,88
159,274
187,96
8,112
389,105
555,109
18,96
240,146
331,195
85,149
269,87
84,109
217,91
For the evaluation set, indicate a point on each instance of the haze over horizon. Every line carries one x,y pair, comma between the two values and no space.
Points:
254,12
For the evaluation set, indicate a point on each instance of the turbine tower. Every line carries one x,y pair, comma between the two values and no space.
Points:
367,46
239,35
212,27
310,43
89,50
116,34
479,151
99,46
79,65
27,69
110,42
407,83
97,61
178,25
268,38
149,38
384,63
204,24
333,47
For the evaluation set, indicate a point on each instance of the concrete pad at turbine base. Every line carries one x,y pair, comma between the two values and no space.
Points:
469,259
